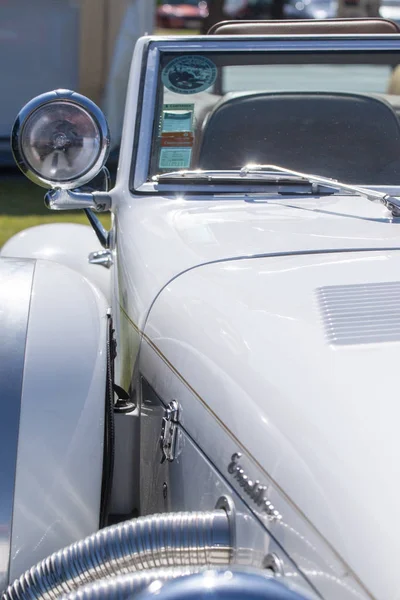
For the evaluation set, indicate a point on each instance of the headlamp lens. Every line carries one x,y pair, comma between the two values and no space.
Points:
60,141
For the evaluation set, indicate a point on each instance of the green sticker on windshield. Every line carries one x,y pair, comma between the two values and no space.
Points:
175,158
189,74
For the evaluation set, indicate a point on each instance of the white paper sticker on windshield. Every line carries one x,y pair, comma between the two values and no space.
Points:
177,117
189,74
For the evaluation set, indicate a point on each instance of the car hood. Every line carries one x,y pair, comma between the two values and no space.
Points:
298,357
159,238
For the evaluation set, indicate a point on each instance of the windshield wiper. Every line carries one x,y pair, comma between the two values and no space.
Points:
268,173
231,174
237,176
391,202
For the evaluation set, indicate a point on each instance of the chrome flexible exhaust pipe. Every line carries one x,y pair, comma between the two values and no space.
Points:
156,541
127,586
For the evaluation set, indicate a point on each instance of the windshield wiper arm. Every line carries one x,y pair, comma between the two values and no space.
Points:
391,202
237,176
215,174
268,172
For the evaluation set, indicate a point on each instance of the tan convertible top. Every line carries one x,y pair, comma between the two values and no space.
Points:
306,26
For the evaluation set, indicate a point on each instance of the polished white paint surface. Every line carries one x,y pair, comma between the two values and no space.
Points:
67,243
159,237
321,420
60,445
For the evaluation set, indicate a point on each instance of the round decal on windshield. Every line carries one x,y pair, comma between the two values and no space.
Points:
189,74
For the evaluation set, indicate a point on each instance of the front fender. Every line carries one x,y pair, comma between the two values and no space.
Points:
66,243
60,374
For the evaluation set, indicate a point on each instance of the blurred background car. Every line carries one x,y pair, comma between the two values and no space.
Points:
254,9
310,9
179,14
292,9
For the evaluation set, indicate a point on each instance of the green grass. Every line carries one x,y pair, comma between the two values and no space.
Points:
22,206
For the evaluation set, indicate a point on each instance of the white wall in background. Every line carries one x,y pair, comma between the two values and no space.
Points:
138,21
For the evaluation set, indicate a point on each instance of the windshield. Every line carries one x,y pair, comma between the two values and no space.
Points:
334,114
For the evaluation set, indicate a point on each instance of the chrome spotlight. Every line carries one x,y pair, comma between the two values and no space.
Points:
60,140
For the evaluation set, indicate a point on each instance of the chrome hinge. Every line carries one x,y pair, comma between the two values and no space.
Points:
169,431
101,257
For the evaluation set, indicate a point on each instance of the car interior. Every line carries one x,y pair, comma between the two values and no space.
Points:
347,134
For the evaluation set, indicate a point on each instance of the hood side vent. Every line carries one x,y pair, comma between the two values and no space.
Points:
361,314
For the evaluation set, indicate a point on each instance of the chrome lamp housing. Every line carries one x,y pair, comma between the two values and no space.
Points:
60,140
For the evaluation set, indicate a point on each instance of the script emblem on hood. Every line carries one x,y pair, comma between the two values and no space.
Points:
254,489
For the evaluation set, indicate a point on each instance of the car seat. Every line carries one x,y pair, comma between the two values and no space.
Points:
352,137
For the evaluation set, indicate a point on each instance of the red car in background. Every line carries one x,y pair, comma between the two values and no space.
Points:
180,14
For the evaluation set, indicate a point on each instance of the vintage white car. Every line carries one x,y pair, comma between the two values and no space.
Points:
209,390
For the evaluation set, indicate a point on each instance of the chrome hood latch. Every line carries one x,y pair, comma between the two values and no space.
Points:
169,431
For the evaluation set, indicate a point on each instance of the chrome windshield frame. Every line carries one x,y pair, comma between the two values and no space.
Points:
139,183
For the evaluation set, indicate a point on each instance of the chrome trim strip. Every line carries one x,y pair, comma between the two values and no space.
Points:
148,107
310,43
16,277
